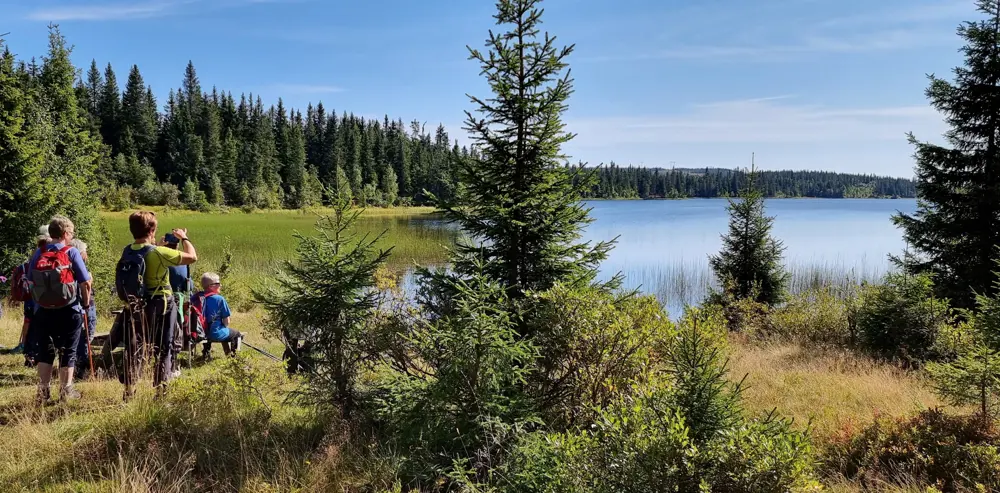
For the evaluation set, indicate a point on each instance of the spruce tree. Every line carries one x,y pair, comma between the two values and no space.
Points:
518,201
109,107
139,116
74,152
341,187
749,265
957,223
24,202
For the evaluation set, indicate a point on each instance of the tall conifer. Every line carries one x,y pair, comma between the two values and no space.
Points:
957,224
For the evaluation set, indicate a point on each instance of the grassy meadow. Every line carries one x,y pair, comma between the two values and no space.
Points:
231,424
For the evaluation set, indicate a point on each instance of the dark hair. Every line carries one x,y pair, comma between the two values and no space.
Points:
142,224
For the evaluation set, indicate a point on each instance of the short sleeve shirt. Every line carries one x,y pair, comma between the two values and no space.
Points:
80,272
215,310
158,263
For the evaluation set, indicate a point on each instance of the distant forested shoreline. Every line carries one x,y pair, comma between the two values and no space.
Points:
631,182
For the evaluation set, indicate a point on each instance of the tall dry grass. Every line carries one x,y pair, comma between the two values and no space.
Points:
831,391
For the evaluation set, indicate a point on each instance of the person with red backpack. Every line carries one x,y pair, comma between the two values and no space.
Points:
61,290
20,292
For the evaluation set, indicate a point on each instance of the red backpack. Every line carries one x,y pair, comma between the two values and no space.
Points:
52,282
20,289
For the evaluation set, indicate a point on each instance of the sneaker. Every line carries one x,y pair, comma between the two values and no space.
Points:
69,393
18,349
175,374
43,395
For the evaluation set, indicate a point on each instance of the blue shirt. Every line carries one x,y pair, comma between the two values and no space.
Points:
214,310
179,279
80,272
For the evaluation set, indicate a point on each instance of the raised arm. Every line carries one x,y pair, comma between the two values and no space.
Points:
188,253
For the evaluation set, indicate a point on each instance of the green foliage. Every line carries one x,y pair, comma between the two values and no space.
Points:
820,317
155,193
954,228
749,265
670,437
901,318
953,453
327,293
974,376
595,347
518,202
458,392
194,198
696,363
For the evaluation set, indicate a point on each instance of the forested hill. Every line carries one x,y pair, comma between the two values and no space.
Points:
615,182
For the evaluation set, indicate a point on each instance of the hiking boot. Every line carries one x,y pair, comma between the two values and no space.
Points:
175,374
43,395
128,394
18,349
69,393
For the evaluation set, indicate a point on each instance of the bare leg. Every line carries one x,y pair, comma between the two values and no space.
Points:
44,374
65,377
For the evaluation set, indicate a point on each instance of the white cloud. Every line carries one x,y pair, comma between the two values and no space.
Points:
105,12
765,120
134,10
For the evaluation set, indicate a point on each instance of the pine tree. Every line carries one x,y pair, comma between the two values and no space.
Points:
109,108
329,288
957,223
24,202
518,202
75,152
139,116
749,265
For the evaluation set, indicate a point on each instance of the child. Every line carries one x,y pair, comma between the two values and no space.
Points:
215,311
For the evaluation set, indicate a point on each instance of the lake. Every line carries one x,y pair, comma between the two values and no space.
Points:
663,245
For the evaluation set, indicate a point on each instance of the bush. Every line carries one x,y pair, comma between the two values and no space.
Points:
820,317
595,346
900,318
118,197
193,198
155,193
642,445
954,453
455,398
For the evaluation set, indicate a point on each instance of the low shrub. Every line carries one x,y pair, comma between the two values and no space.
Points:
595,346
953,453
900,319
819,317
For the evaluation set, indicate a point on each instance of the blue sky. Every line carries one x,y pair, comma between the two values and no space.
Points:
805,84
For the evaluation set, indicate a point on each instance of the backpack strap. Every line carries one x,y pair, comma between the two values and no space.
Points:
65,248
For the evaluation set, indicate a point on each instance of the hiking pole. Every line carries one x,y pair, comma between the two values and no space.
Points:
261,351
86,330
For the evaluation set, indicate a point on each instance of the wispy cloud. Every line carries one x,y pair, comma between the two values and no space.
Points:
305,88
878,30
133,10
762,120
106,12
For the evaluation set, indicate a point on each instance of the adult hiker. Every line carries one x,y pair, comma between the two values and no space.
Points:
215,311
61,289
21,290
83,355
180,284
143,281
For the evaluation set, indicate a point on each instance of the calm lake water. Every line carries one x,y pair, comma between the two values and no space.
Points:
663,245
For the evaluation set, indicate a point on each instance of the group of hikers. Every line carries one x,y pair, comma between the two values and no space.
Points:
160,317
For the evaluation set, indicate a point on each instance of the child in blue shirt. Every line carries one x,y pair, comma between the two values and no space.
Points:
215,311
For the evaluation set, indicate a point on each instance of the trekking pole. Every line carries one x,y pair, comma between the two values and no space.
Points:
261,351
90,352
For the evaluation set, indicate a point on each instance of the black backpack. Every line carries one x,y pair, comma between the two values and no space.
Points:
130,275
